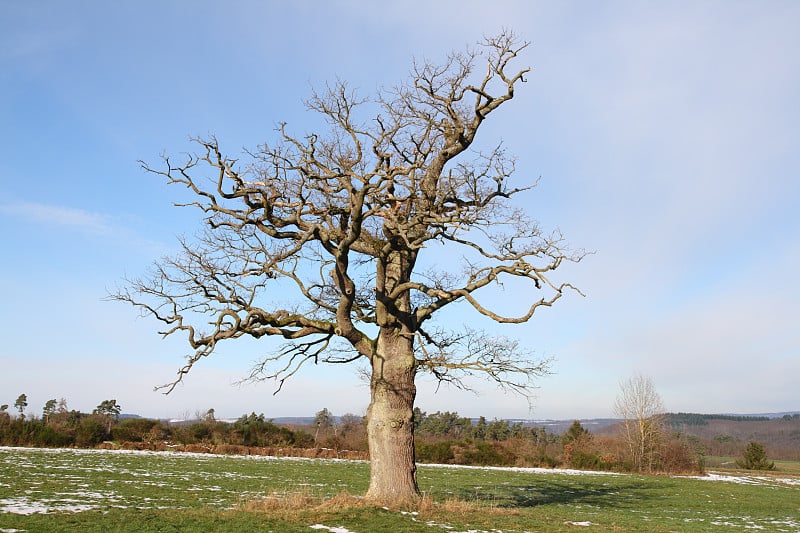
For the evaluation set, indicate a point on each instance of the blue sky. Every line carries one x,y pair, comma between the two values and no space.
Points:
666,135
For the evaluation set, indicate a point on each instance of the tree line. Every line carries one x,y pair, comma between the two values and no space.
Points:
442,437
695,419
58,425
647,445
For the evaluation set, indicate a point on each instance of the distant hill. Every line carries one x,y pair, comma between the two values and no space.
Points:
296,420
560,426
695,419
677,421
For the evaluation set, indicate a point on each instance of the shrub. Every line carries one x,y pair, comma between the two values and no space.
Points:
50,436
254,430
486,453
587,461
435,452
201,432
18,433
681,455
134,429
90,432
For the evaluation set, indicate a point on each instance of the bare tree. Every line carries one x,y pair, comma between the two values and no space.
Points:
642,413
342,218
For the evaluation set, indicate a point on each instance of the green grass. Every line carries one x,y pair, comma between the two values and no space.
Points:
172,492
787,467
729,463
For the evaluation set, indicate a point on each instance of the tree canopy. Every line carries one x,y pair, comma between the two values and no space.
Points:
341,218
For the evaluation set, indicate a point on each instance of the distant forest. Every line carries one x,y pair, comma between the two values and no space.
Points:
694,419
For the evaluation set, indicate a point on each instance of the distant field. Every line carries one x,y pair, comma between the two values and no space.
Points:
88,490
729,463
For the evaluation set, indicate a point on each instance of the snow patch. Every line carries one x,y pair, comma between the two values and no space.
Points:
331,529
477,531
26,507
746,480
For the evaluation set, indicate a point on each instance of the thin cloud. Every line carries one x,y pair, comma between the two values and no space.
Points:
100,227
56,215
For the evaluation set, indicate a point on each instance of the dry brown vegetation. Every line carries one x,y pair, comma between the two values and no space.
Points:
293,504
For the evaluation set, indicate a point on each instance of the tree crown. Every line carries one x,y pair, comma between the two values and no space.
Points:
341,218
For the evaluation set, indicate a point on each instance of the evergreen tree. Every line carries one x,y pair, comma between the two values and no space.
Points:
49,409
576,434
21,404
755,458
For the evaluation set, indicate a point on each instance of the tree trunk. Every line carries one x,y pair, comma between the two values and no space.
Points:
390,428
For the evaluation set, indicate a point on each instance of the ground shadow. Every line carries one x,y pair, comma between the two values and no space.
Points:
619,495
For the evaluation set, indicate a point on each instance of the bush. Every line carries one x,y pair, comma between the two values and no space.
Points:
19,432
201,432
681,455
333,442
49,436
134,429
90,432
466,452
587,461
436,452
487,454
254,430
302,439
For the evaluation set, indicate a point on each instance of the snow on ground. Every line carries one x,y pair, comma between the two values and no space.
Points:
94,451
746,479
331,529
25,506
711,476
83,500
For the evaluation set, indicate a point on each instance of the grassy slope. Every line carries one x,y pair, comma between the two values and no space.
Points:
205,493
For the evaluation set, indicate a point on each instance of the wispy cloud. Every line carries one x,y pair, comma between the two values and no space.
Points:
57,215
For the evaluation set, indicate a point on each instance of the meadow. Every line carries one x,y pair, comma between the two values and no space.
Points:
104,490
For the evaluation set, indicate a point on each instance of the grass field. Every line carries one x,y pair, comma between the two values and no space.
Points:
729,463
88,490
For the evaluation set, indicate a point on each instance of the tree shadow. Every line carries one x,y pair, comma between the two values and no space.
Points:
615,494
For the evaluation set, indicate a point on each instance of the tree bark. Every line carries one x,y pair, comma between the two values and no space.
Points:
390,428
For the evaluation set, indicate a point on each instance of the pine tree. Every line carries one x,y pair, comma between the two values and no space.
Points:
755,458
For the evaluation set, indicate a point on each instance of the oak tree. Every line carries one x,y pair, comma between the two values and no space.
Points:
356,221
